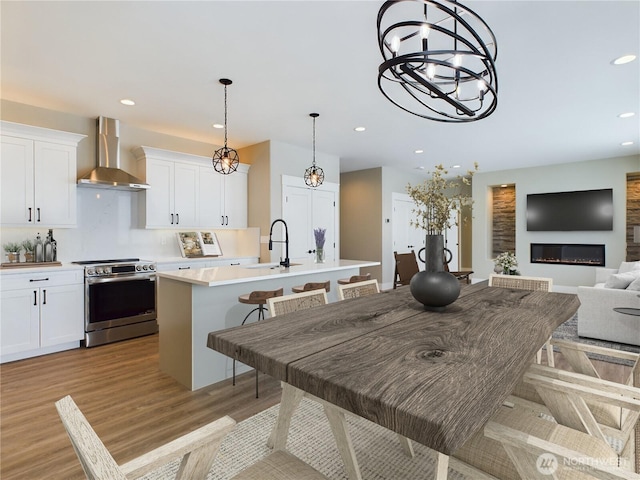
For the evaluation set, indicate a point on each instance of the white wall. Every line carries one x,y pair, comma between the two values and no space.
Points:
607,173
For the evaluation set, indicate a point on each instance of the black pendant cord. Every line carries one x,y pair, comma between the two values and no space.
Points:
314,140
225,116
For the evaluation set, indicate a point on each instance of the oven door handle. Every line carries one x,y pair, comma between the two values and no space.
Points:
125,278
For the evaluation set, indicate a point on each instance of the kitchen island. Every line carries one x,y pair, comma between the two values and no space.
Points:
192,303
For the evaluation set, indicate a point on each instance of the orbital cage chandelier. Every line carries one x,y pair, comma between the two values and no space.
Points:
225,160
439,60
314,175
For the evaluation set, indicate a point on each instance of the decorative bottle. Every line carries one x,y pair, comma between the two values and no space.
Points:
54,246
47,248
38,249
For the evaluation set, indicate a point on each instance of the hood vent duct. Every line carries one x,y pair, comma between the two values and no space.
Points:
108,173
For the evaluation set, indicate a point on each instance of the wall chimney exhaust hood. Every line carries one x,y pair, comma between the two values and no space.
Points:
108,173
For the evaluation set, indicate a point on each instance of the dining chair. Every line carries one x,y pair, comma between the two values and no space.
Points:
621,420
358,289
460,275
536,284
296,301
517,444
406,267
195,450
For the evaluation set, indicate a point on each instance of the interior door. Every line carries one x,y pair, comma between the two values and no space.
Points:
405,236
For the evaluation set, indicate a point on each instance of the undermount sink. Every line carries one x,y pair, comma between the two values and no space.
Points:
268,265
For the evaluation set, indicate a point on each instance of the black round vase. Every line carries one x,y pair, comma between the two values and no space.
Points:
435,290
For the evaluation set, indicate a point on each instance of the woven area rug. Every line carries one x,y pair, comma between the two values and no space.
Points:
569,331
310,438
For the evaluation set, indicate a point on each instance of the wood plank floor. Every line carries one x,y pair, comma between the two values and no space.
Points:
131,404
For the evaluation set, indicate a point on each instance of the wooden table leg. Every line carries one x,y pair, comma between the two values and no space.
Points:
338,425
291,398
442,466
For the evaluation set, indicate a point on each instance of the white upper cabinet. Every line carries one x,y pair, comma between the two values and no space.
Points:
38,176
186,192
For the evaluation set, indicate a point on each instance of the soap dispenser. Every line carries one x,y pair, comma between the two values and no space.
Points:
47,248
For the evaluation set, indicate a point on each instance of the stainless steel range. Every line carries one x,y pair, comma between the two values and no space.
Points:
120,299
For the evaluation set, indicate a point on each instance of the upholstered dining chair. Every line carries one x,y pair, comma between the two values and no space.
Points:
520,282
406,267
358,289
195,450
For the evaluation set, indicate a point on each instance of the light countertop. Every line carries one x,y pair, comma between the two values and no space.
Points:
228,275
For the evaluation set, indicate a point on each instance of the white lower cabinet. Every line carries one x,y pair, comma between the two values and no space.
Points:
40,313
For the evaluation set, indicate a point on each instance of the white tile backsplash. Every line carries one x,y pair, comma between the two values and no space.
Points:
109,227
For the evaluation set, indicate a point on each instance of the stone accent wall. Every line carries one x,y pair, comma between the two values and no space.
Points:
633,214
504,220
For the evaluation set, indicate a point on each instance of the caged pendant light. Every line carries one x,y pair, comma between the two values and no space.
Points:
225,159
439,60
314,175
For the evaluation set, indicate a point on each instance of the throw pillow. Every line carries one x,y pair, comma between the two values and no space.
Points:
635,285
628,267
621,280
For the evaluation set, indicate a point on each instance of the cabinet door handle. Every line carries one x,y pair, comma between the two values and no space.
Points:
39,279
177,218
222,220
44,297
38,210
35,297
29,213
311,251
235,264
184,268
172,219
227,219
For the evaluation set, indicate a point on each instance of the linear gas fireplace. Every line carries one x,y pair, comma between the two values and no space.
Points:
568,254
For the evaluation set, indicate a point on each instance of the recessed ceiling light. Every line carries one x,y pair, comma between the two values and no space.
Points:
626,115
419,168
455,166
418,151
504,185
624,59
360,129
127,101
217,125
626,144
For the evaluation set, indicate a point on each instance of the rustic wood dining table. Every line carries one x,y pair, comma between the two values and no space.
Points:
433,377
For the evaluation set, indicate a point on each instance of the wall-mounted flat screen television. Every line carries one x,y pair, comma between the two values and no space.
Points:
585,210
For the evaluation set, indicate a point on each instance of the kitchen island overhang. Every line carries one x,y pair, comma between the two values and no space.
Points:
192,303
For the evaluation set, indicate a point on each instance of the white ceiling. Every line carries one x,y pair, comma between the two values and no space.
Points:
558,100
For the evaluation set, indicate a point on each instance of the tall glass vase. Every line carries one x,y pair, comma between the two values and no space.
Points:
434,287
319,255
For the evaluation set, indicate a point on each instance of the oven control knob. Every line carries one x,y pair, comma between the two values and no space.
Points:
144,267
152,267
138,268
91,271
107,270
99,270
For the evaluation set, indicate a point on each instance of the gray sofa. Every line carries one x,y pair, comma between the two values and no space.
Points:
596,318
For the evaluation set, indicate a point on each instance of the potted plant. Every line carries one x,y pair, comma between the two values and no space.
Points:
506,264
28,246
436,199
319,235
13,251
